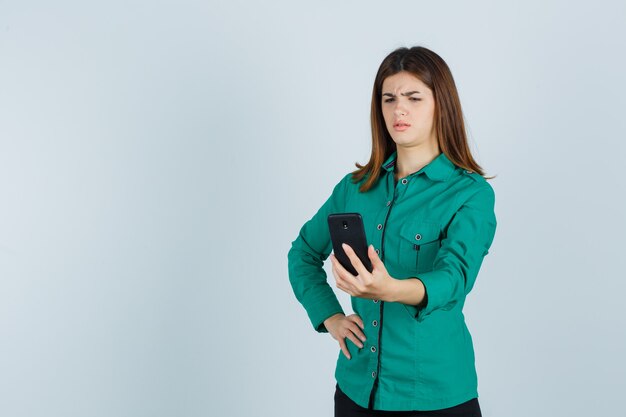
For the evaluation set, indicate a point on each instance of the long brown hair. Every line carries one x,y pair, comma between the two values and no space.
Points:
432,70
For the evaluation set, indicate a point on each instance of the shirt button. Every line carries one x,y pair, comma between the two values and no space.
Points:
375,323
373,349
418,237
374,374
375,301
467,171
388,203
404,181
380,226
377,251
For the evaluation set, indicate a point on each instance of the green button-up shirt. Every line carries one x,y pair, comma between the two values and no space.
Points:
436,224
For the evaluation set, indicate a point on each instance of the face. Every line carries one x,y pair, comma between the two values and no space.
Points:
408,108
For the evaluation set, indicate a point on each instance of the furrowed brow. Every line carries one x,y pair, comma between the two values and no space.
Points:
408,93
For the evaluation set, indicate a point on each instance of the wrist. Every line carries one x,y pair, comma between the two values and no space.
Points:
408,291
392,290
333,317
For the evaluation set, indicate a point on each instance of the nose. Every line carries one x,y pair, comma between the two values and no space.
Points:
400,110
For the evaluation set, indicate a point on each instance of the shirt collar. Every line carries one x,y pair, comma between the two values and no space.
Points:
439,169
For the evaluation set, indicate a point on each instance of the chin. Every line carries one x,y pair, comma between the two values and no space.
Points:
404,141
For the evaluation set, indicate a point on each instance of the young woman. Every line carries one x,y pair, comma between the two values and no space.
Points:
429,218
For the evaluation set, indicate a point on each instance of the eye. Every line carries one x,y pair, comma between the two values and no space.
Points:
389,100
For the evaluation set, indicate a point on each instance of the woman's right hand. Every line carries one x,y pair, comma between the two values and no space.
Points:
341,326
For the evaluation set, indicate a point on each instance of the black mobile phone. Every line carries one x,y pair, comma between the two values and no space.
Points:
348,228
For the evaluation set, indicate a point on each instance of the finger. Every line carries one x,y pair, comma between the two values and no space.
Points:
357,331
354,339
358,320
338,280
336,274
336,265
354,260
354,327
340,267
344,348
343,278
336,262
371,252
349,281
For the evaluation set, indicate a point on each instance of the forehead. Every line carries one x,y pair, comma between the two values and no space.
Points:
403,81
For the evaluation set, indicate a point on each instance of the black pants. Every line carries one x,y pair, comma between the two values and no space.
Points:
345,407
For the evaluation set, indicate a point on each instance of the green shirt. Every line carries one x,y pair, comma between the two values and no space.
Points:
436,224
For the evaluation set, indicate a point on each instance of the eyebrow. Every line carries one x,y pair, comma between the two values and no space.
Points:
408,93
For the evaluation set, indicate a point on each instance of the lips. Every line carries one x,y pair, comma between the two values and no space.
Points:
401,126
401,123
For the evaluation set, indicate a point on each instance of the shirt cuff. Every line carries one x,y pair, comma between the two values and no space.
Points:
438,290
322,311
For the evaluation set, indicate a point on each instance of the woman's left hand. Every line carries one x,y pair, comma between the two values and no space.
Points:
373,285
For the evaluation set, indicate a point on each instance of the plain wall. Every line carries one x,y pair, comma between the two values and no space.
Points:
158,158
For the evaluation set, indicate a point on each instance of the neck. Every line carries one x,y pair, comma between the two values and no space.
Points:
412,159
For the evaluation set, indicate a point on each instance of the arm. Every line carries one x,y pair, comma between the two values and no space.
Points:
408,291
306,259
468,239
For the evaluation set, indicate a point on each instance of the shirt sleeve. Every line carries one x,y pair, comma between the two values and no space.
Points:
456,265
306,259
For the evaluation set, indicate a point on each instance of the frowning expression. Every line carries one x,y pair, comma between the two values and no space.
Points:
408,108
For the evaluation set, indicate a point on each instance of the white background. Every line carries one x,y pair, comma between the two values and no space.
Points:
157,159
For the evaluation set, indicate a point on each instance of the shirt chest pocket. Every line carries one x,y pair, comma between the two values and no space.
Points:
419,243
